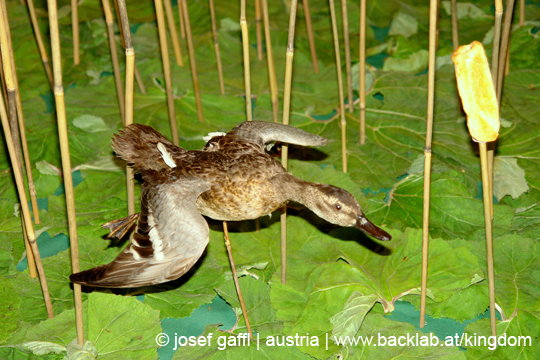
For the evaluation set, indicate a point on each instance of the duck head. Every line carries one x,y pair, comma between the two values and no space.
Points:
339,207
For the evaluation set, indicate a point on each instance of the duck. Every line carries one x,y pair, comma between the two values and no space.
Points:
232,178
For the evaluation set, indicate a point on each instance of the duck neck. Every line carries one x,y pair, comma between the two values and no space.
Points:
298,190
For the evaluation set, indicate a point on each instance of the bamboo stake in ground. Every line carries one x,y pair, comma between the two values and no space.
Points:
270,60
311,40
66,162
477,93
130,67
340,86
75,31
120,27
114,59
15,164
433,14
41,47
174,34
504,46
235,278
345,17
13,82
286,115
455,31
216,46
245,47
362,72
166,69
192,62
521,12
258,29
27,224
181,16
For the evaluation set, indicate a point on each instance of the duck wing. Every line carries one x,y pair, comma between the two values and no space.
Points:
138,145
262,132
169,238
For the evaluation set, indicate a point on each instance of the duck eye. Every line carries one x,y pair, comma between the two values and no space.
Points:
337,207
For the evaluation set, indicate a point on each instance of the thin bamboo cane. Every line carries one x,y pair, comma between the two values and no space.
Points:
166,69
66,162
41,47
32,270
504,46
455,29
258,29
181,16
521,12
137,74
245,47
433,23
270,61
216,46
286,115
235,278
192,61
344,15
362,72
16,166
489,236
130,67
114,59
21,129
174,34
75,31
340,86
311,40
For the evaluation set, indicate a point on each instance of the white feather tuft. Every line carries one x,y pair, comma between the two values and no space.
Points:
166,156
213,134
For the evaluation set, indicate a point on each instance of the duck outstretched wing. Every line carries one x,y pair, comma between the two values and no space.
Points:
138,144
263,132
169,238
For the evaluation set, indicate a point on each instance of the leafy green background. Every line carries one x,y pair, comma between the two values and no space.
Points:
340,282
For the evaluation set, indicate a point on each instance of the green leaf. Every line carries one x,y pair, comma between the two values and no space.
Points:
465,10
90,123
348,321
403,24
43,347
415,63
10,309
509,178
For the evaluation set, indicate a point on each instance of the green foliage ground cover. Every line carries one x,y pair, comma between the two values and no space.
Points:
340,283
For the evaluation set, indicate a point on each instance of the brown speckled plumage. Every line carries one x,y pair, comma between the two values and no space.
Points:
232,178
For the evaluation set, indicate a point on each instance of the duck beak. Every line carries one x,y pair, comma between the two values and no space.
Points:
362,223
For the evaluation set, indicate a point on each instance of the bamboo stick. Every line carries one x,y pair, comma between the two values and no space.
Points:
270,61
75,31
114,59
258,29
21,129
344,15
181,16
245,47
235,278
433,22
138,77
489,236
15,164
455,31
192,61
504,46
311,40
166,69
216,46
286,115
66,162
174,34
362,72
41,47
340,86
521,12
130,69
